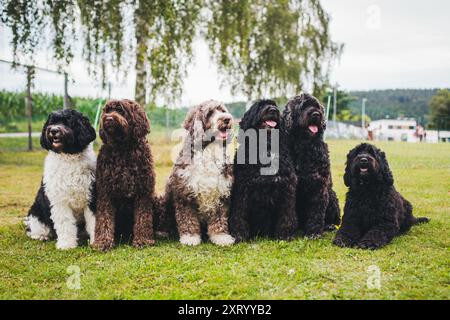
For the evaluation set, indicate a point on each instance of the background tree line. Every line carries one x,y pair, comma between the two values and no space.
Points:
431,107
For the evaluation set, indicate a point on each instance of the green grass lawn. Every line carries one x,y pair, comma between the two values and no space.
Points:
414,266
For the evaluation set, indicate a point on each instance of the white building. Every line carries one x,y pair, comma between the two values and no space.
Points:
404,130
394,130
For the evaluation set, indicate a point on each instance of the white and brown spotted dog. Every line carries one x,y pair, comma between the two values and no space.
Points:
198,189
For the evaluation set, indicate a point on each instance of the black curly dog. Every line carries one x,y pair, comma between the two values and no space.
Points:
316,202
263,204
374,211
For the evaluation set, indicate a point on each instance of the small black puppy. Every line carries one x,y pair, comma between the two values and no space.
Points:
64,204
374,211
263,191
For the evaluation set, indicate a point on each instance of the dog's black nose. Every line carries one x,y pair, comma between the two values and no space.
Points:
226,120
315,114
364,160
54,131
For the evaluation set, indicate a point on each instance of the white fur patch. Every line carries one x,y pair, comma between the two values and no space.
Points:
36,229
190,239
67,182
222,239
205,177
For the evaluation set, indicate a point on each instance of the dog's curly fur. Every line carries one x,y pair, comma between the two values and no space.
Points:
316,202
65,203
198,189
125,177
263,205
374,211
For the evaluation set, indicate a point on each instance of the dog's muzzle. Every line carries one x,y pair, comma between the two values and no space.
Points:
225,123
55,135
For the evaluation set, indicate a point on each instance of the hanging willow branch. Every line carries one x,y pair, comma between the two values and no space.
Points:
271,47
261,46
34,22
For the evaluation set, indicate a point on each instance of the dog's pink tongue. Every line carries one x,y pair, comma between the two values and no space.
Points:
313,129
223,134
271,123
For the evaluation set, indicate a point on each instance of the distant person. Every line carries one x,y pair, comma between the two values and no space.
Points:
420,132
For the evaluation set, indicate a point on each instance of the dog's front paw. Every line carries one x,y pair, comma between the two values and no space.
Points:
313,235
368,244
141,243
330,228
190,239
285,235
66,245
222,239
342,242
103,245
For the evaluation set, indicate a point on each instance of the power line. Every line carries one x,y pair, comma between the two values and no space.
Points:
31,66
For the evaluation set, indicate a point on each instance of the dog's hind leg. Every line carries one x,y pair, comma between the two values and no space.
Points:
38,223
382,233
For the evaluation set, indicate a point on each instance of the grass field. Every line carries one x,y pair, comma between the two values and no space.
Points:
414,266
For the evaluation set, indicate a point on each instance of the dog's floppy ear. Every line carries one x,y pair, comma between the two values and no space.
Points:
87,133
386,172
194,122
289,111
288,117
347,174
248,119
101,132
43,140
140,123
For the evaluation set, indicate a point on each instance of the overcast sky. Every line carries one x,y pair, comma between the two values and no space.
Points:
388,44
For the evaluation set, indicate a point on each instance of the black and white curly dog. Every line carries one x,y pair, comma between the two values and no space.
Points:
262,204
64,204
316,202
374,211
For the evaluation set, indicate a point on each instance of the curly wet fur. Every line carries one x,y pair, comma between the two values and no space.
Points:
374,211
64,205
263,205
198,189
316,203
125,177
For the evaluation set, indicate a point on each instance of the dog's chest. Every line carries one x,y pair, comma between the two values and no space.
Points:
68,178
206,178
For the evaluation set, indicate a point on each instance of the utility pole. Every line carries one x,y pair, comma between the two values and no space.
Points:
29,104
363,113
109,90
334,103
66,94
327,113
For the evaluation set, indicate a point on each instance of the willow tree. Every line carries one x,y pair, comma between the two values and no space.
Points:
32,21
157,35
153,37
271,47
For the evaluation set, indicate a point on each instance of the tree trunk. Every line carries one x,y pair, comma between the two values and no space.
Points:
141,57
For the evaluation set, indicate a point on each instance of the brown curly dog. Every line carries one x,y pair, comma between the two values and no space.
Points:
125,178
